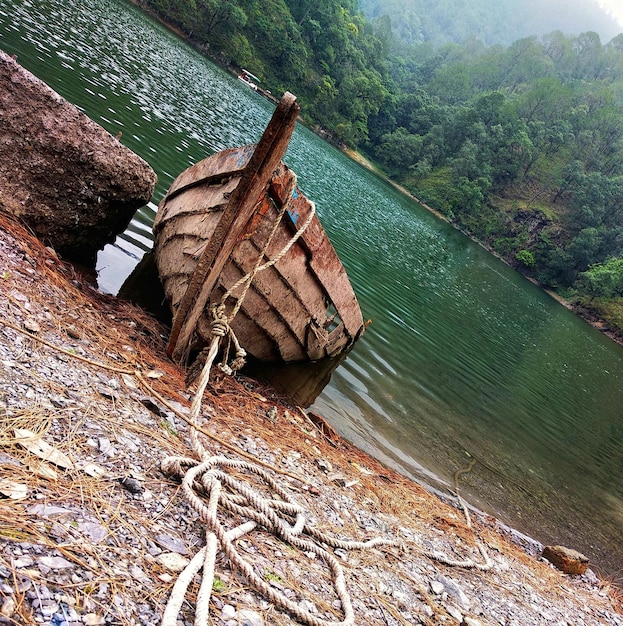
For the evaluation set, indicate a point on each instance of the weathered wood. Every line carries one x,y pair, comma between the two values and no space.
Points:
267,155
302,308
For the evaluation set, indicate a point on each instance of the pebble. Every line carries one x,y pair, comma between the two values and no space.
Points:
436,587
308,606
452,589
172,543
54,562
172,561
8,608
250,618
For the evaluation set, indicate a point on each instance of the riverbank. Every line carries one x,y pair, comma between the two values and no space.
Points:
97,533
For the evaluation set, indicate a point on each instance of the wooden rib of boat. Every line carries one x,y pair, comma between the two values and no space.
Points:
212,226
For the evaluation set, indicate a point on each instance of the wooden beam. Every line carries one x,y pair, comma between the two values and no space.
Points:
268,153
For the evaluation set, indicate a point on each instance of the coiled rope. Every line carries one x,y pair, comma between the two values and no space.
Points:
206,476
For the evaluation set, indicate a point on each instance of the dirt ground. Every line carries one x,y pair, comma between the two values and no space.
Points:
93,531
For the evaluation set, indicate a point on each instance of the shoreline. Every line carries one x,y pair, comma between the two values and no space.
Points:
88,373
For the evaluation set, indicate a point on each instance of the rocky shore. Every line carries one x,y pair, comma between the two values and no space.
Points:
93,532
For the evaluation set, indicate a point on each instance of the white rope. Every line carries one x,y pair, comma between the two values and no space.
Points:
282,517
469,563
207,476
247,280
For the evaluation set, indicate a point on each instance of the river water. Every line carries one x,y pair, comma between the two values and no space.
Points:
464,358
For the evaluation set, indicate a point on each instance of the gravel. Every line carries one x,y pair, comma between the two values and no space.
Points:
103,539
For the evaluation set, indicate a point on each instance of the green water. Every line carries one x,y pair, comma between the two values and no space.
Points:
463,357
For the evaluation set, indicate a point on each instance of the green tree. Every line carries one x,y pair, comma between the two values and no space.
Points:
603,280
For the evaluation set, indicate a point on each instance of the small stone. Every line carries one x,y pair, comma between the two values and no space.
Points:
453,589
458,616
137,573
131,484
8,608
13,490
337,478
567,560
107,392
228,612
94,531
92,619
172,561
58,620
250,618
23,561
151,405
324,465
32,326
55,562
72,332
172,544
436,587
308,606
48,510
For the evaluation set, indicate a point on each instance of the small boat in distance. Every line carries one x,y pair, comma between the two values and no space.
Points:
234,210
249,79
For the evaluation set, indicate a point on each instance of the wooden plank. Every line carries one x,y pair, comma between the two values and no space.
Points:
269,151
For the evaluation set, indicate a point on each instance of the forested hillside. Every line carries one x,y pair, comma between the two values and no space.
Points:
521,146
324,51
491,21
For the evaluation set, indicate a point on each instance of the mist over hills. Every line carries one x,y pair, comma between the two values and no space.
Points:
490,21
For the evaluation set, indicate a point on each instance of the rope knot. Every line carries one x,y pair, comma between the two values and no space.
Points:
219,324
241,358
219,328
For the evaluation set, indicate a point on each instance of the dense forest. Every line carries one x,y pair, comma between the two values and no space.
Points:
521,145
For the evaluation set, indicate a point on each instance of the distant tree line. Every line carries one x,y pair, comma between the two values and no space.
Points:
324,51
438,22
521,146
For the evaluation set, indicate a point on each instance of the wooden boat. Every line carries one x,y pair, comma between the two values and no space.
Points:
212,227
249,79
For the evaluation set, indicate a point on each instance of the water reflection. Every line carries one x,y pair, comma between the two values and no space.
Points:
301,383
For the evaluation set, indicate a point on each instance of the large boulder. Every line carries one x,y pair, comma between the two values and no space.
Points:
71,181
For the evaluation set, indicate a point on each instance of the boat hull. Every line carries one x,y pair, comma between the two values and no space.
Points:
301,308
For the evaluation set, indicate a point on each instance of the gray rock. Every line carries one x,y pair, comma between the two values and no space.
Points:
250,618
54,562
452,589
173,544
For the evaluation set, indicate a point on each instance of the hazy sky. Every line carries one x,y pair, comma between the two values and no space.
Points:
615,8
